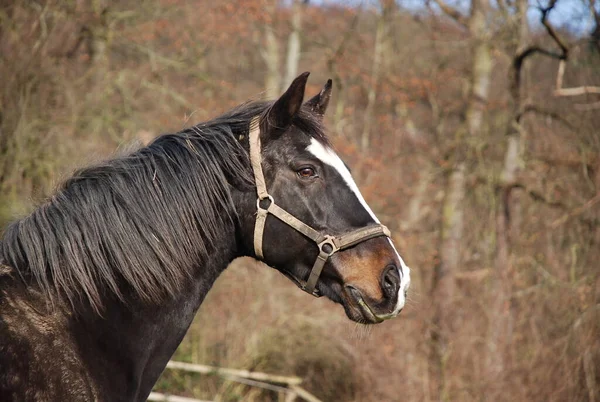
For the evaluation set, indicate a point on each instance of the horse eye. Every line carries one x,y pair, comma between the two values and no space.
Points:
306,172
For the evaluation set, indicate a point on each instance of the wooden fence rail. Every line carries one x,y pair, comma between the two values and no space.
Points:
156,396
289,385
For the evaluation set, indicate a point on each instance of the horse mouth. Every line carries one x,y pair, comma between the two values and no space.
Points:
360,311
368,313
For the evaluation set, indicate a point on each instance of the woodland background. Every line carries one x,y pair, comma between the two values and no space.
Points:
472,130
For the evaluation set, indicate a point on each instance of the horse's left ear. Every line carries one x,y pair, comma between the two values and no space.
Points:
318,103
280,116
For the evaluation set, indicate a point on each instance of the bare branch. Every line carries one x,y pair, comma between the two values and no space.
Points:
560,73
518,61
550,29
503,8
588,106
577,211
252,375
576,91
339,51
518,185
529,108
536,196
530,50
562,56
452,13
595,36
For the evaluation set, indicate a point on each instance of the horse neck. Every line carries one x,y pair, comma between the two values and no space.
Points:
128,347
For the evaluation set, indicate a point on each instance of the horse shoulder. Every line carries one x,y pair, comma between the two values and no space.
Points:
38,359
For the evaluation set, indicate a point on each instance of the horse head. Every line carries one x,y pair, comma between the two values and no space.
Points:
311,221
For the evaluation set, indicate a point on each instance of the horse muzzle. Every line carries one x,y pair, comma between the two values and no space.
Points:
394,287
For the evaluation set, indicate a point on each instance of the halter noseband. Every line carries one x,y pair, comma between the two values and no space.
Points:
328,244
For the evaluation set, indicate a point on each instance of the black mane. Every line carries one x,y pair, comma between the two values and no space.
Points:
140,218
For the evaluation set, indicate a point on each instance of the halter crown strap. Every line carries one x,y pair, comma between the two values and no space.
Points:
328,245
255,159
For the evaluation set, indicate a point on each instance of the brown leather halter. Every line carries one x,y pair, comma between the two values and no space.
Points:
328,244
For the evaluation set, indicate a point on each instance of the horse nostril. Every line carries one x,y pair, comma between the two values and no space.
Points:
390,281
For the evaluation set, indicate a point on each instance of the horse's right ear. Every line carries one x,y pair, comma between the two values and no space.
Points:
280,115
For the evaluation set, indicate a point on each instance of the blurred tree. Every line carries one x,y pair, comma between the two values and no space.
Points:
270,53
595,35
509,204
452,224
336,53
293,50
494,189
387,10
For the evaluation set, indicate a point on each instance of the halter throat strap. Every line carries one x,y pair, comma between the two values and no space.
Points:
327,244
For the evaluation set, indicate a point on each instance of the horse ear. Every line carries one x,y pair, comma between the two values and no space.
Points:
318,103
285,108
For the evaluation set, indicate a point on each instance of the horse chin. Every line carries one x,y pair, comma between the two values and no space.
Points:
361,312
357,309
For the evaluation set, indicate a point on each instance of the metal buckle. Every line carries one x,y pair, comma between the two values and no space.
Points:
329,241
314,293
258,200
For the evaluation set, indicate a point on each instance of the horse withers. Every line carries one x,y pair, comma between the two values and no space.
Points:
99,284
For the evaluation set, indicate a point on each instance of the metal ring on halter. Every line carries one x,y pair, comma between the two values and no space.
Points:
330,241
268,197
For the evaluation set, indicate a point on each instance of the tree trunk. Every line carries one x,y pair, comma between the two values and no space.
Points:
293,51
365,139
507,216
270,55
482,67
444,284
415,210
454,202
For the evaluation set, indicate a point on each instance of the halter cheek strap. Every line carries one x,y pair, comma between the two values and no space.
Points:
327,244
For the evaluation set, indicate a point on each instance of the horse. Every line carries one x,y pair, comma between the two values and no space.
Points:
99,284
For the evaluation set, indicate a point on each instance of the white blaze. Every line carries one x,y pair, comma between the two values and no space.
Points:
329,157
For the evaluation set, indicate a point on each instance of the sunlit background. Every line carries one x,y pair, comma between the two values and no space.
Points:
471,128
